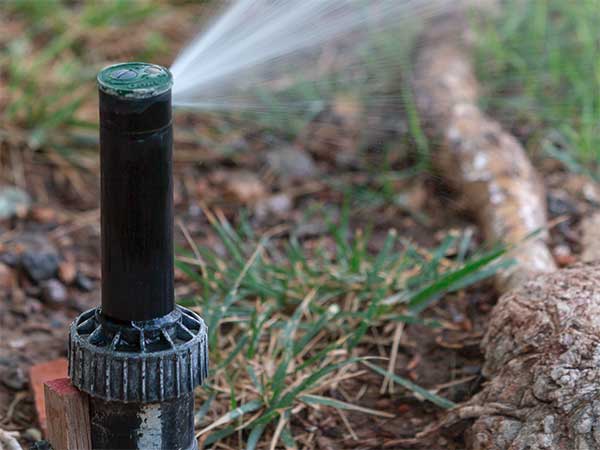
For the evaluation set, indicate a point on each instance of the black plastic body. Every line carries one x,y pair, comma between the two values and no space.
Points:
137,356
136,140
166,425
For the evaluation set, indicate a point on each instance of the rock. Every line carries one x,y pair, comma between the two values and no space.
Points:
291,162
578,186
277,205
54,292
41,445
7,279
32,434
561,204
7,361
591,192
13,201
18,343
44,215
10,259
563,256
280,203
32,290
14,378
83,282
245,187
37,256
67,272
33,306
40,266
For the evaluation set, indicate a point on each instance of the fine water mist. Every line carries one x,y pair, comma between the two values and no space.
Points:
259,46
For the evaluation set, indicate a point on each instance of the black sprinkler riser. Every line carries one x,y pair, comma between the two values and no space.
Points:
138,355
137,207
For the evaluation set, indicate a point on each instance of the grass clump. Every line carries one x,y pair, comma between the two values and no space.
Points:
49,69
540,63
288,324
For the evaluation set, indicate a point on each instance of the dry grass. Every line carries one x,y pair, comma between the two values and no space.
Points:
287,325
289,322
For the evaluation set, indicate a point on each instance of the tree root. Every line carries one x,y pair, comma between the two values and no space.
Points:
542,354
485,164
542,347
543,359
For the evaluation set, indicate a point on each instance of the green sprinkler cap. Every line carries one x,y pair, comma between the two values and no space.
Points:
135,80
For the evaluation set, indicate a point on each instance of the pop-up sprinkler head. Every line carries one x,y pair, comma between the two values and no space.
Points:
138,355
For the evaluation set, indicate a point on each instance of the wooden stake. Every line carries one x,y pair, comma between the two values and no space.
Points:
40,374
67,412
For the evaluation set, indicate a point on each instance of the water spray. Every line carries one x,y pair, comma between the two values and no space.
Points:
138,355
263,44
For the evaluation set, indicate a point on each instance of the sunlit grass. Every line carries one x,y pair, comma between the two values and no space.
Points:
50,69
288,324
540,64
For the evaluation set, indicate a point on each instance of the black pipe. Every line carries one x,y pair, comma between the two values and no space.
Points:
136,139
123,426
138,356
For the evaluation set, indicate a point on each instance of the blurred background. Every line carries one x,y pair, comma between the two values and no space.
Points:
314,225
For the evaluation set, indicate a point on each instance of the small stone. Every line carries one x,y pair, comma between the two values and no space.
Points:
14,378
6,361
67,272
44,215
54,292
18,343
245,187
32,434
40,266
277,204
32,290
563,256
7,279
291,162
41,445
83,282
10,259
591,193
280,204
33,306
561,204
13,202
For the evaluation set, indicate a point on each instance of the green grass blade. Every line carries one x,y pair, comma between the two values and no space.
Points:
424,297
433,398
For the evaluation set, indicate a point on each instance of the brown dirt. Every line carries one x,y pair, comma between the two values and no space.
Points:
33,330
448,357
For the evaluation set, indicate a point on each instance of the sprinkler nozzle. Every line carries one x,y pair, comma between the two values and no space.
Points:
138,355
